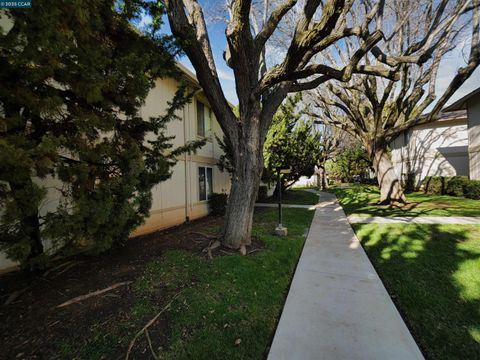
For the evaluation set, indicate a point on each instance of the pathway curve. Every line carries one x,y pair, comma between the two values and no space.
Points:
457,220
337,307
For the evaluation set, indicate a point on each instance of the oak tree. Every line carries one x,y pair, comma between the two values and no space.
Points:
376,110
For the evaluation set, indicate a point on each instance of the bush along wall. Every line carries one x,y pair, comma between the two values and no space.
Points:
218,204
453,185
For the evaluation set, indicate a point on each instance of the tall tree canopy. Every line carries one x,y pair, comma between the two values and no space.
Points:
316,27
74,76
376,110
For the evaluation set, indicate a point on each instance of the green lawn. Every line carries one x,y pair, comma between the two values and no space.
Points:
432,273
360,200
226,308
296,196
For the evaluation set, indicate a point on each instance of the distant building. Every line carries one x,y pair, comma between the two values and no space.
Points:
471,103
195,177
448,146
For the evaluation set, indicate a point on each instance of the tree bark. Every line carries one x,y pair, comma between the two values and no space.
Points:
391,190
246,178
29,217
323,180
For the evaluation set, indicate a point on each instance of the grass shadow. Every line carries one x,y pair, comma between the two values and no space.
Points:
361,199
432,274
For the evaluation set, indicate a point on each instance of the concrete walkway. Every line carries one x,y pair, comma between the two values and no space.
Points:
337,307
457,220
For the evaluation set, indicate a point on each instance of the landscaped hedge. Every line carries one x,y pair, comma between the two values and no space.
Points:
456,185
262,193
453,185
218,204
472,189
435,185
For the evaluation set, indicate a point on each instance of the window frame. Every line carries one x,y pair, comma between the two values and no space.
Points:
208,186
207,120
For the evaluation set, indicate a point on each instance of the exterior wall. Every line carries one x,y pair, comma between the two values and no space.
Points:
473,110
436,149
306,181
177,199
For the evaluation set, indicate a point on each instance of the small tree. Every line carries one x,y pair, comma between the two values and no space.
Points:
292,143
349,162
74,77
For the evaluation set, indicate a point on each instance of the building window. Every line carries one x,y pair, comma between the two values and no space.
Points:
406,137
205,182
203,120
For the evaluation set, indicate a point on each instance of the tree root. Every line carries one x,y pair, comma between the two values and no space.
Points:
243,250
58,267
212,245
94,293
207,236
147,335
65,269
144,330
13,296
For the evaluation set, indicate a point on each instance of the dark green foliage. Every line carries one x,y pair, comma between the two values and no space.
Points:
295,196
456,185
435,185
73,76
349,162
410,182
472,189
218,204
291,143
225,162
262,193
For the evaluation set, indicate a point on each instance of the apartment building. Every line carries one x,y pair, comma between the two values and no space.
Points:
185,195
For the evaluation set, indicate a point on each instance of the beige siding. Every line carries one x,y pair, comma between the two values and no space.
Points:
473,109
437,149
178,199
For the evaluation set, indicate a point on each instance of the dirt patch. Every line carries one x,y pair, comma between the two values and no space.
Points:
414,205
437,205
32,327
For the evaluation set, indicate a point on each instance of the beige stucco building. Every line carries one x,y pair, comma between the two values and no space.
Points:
448,146
471,103
439,148
185,195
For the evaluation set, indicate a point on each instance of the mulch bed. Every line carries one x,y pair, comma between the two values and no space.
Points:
31,325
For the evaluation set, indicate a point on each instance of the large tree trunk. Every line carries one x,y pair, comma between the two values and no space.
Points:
29,217
248,165
391,190
323,180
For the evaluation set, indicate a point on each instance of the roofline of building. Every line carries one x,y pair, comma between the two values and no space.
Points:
187,72
190,75
447,116
461,104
